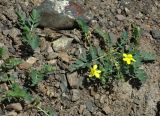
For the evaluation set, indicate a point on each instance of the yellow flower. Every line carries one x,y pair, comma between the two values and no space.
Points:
94,72
128,58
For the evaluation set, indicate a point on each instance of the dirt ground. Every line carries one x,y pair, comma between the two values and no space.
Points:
71,97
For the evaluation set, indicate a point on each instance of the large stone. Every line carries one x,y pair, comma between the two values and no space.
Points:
59,14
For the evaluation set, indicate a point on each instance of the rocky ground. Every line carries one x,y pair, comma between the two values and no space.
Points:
64,92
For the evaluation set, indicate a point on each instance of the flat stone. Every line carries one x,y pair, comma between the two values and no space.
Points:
54,61
6,32
15,106
63,83
120,17
64,57
61,43
75,95
14,32
90,106
52,55
72,80
155,34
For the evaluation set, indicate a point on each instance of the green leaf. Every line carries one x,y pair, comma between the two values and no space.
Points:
146,56
77,65
141,75
2,52
136,33
11,63
34,43
32,40
36,76
21,18
104,35
4,77
26,29
93,52
28,25
48,68
35,16
18,92
83,25
123,40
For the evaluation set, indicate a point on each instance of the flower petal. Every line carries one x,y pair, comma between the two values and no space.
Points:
133,60
128,61
125,59
95,67
129,56
124,55
98,71
97,75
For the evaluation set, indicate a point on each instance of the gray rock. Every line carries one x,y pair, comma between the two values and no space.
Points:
90,106
52,56
73,80
155,34
63,83
58,14
6,32
75,95
14,32
120,17
61,43
14,106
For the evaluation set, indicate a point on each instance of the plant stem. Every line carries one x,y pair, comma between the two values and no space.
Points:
41,110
